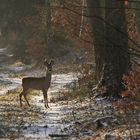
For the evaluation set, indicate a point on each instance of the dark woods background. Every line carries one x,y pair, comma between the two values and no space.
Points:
109,30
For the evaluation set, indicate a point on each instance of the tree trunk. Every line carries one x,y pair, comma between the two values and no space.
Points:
110,43
47,26
116,47
97,33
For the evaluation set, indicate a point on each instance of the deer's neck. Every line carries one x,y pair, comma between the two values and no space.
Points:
48,75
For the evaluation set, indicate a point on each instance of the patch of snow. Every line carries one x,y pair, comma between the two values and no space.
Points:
2,50
17,68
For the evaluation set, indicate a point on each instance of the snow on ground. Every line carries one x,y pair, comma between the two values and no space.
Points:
50,121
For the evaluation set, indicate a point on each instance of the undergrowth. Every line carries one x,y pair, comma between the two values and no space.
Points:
132,84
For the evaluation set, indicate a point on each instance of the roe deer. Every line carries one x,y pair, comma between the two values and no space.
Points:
40,83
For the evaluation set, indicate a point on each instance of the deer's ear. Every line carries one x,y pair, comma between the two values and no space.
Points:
46,62
52,62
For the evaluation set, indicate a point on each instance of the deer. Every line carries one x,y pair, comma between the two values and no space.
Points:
38,83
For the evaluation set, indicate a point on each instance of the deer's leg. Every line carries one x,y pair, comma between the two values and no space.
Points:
25,94
45,98
20,98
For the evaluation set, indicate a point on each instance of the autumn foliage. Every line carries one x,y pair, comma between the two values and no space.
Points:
132,84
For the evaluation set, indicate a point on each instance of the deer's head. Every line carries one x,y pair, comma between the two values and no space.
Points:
49,64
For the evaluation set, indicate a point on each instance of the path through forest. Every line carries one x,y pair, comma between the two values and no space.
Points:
35,122
64,119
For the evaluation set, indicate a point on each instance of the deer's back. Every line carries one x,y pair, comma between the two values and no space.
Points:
38,83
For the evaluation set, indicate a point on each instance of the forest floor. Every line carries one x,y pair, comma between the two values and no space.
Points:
78,119
91,119
35,122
